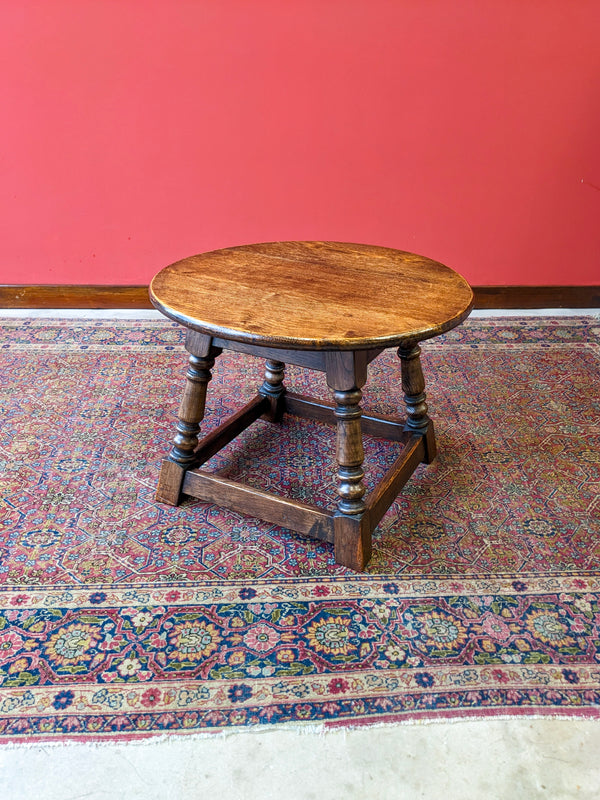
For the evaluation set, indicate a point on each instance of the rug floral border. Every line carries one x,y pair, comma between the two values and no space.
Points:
526,662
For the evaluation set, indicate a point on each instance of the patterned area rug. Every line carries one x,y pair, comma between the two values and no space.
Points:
120,617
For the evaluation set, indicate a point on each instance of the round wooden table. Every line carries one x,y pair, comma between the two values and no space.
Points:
328,306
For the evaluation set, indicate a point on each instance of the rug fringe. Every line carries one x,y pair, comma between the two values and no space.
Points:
308,729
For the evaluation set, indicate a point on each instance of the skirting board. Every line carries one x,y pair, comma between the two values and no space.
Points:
486,297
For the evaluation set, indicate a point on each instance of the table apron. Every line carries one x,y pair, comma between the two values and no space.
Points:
312,359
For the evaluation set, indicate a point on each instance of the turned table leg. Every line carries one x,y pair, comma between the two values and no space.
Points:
274,389
352,542
352,534
349,452
413,385
191,412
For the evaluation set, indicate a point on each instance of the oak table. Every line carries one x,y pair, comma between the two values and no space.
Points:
328,306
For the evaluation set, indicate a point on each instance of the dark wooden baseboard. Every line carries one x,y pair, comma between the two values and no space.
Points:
537,296
74,296
488,297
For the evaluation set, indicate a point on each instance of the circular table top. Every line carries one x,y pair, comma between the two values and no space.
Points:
313,295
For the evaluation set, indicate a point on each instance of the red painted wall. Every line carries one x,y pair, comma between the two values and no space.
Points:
136,132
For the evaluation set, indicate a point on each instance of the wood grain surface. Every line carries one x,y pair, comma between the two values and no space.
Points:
313,295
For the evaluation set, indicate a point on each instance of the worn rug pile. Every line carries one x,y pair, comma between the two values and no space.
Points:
124,618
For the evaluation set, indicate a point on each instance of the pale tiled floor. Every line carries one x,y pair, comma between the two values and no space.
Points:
493,759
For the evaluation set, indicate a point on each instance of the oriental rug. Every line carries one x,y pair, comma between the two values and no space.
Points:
123,618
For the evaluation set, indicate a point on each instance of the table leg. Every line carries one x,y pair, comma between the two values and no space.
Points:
413,384
274,389
191,412
352,534
349,452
